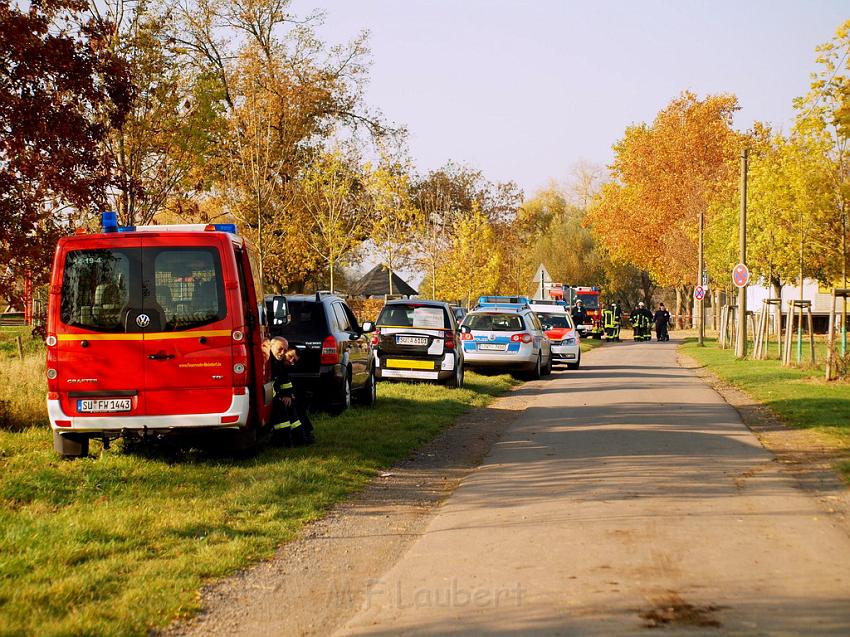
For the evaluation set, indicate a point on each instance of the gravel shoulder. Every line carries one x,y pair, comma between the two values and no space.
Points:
317,582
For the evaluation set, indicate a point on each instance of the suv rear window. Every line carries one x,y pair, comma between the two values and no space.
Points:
413,315
307,321
494,322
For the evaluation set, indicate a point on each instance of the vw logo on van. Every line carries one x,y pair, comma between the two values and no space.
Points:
143,320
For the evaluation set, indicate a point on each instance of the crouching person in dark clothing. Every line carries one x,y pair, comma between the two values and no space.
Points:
291,423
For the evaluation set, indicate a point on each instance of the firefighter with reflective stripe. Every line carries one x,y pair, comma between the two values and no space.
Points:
611,322
291,424
641,322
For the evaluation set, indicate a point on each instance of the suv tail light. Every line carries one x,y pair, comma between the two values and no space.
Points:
466,336
522,338
376,336
330,353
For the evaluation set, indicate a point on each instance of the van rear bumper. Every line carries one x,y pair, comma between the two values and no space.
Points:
239,407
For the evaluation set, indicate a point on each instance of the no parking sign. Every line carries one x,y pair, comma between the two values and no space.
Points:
740,275
699,293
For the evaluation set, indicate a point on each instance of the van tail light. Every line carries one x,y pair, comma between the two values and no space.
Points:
466,336
240,391
53,395
450,341
241,369
376,337
330,353
522,338
62,423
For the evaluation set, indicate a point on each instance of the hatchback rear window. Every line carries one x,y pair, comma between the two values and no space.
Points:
423,316
494,322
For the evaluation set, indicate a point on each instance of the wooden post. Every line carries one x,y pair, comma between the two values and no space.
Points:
830,340
20,347
811,332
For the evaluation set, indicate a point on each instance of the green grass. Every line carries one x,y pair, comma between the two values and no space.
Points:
119,543
800,397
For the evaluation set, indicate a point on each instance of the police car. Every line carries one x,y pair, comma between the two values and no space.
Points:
504,333
562,332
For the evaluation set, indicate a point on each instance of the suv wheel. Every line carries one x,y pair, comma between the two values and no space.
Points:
575,365
548,369
369,393
343,399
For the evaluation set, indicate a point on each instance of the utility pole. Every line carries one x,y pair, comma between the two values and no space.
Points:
700,303
741,345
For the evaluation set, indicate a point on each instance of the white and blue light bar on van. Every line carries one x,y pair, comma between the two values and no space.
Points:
109,223
504,302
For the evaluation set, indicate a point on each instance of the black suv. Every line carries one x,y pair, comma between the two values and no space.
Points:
335,361
418,340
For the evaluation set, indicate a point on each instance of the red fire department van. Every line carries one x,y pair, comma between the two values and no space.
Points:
590,298
154,330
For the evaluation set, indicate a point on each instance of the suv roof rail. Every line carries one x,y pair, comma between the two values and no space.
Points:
321,293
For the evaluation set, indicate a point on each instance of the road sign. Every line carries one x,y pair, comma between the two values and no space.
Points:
699,293
740,275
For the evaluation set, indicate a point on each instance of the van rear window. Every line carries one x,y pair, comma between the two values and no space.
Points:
96,288
178,287
188,286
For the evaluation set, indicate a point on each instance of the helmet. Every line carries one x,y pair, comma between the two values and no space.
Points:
579,302
641,304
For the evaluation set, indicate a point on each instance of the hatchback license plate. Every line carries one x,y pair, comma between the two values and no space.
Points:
496,347
104,405
411,340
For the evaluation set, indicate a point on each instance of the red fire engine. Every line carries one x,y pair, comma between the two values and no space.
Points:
154,330
590,298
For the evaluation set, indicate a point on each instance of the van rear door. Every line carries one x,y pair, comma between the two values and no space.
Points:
187,341
99,348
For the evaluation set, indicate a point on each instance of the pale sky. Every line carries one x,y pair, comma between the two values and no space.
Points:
522,90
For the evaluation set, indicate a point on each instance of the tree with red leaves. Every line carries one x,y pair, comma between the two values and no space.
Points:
61,90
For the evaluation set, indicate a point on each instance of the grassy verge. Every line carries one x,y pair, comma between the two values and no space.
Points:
23,385
800,397
119,543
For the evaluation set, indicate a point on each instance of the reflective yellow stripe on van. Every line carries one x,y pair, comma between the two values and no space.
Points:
139,336
396,363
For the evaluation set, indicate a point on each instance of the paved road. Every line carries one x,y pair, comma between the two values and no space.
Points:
628,495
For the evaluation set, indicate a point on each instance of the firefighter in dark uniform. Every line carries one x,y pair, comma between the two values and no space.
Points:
291,424
642,322
579,316
661,320
611,322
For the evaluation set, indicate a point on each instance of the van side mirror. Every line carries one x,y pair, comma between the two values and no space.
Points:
367,327
464,329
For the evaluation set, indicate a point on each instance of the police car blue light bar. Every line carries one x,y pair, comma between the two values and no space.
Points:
511,302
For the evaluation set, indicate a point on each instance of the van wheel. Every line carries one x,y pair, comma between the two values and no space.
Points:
343,399
245,442
71,445
369,393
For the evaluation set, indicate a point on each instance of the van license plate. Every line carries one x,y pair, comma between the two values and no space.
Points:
411,340
104,405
